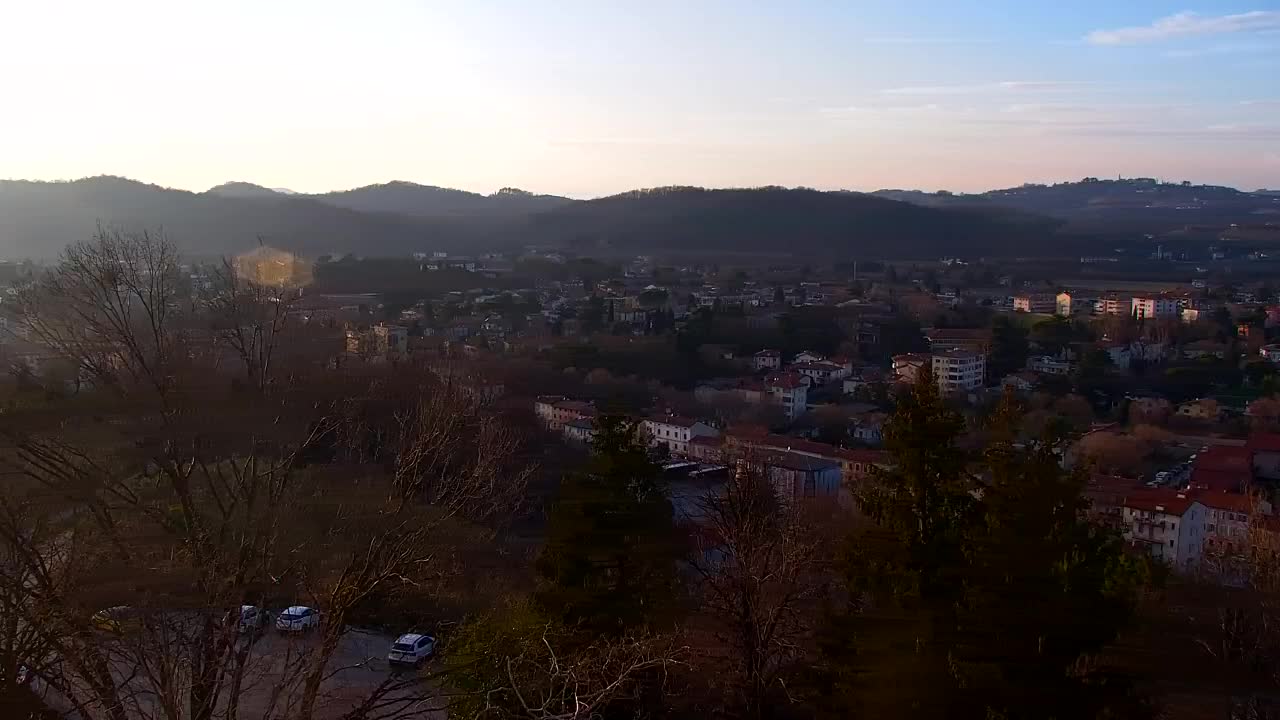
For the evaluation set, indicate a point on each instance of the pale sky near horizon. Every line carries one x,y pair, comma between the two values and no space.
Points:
591,97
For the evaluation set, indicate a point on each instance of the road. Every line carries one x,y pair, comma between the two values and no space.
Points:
357,672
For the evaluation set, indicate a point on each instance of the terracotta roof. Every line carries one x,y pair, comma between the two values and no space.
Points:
1221,481
1234,502
576,406
1266,442
1226,458
582,423
787,381
1169,502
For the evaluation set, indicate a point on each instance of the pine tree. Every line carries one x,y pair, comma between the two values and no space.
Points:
1043,587
609,565
887,653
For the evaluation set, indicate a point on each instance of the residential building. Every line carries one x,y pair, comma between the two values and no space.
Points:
1222,468
790,391
581,430
766,360
555,411
861,378
1048,365
1042,303
675,432
1264,449
959,370
1022,381
1203,409
1167,524
972,339
803,476
869,427
1063,304
390,339
1106,495
1112,305
1191,315
821,371
1154,306
1227,520
707,448
807,357
906,367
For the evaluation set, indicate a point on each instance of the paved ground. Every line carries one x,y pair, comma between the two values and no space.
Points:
357,672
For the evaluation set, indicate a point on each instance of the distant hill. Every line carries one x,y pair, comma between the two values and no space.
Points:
407,198
242,190
788,221
1132,205
38,219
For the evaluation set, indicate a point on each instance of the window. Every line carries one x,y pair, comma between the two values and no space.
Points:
1170,543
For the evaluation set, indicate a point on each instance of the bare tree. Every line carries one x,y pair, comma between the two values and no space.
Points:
204,497
759,566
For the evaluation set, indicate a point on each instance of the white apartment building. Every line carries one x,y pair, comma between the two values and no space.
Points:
767,360
791,392
1112,305
1048,365
1154,306
676,432
1168,525
959,370
1035,303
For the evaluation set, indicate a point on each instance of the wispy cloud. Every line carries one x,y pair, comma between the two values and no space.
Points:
913,40
1188,24
1262,103
1005,86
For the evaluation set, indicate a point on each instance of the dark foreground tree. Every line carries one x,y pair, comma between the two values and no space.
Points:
609,565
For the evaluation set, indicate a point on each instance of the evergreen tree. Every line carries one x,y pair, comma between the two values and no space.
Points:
1043,587
886,655
610,560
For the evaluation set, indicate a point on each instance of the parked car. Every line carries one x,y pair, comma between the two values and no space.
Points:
250,619
298,618
411,649
118,619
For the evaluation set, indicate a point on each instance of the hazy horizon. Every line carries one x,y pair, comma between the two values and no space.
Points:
584,100
552,192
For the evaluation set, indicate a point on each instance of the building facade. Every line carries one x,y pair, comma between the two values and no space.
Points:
959,371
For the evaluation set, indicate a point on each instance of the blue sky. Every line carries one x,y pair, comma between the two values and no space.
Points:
590,98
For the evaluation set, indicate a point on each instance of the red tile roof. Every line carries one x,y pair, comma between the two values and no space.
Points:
786,381
1266,442
1226,458
675,420
1233,502
1169,502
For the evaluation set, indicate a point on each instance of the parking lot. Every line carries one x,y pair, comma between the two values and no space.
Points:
272,680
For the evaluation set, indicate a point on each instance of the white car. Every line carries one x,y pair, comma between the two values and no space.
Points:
411,649
252,619
298,618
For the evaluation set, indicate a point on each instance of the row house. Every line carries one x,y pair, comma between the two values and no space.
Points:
1167,524
555,411
907,367
1043,303
821,371
676,432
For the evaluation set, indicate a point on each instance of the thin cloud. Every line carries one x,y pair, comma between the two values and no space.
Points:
995,87
1188,24
911,40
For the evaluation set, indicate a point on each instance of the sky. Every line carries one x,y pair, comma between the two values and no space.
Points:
593,97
